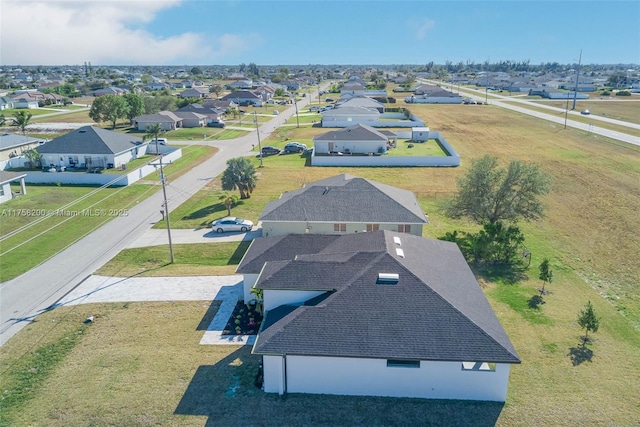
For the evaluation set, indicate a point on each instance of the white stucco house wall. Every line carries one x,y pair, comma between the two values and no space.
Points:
349,116
91,147
377,314
358,139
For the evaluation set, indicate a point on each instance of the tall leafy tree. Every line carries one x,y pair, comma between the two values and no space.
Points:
588,320
109,108
489,193
136,105
240,175
546,274
21,120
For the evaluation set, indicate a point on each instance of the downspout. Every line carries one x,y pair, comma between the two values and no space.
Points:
284,374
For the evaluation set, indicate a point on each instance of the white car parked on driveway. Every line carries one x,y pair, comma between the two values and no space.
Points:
231,223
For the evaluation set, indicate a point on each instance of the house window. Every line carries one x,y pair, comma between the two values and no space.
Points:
339,228
373,227
399,363
404,228
479,366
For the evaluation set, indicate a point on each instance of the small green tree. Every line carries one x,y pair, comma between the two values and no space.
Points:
488,193
588,320
546,274
239,175
34,157
21,120
229,201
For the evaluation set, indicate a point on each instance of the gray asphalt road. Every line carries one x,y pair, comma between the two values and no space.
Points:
34,292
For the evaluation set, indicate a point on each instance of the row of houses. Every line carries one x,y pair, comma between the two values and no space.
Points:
357,302
29,99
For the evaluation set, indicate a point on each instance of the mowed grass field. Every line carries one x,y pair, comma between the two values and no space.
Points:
141,363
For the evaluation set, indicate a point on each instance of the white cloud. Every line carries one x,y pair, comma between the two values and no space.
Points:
103,32
422,27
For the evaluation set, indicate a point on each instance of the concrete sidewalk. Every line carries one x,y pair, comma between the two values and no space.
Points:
227,289
156,237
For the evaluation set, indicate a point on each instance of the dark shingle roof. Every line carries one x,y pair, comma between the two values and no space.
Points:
357,132
346,198
90,140
436,311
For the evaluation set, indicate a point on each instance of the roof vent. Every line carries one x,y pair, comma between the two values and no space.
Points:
388,279
397,241
400,252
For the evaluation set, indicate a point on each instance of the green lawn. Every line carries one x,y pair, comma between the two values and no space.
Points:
47,234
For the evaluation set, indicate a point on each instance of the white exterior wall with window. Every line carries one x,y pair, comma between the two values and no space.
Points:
373,377
280,228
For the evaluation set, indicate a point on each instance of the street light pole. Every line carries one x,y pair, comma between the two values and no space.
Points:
166,205
255,120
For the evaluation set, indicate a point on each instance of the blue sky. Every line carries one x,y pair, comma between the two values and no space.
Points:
190,32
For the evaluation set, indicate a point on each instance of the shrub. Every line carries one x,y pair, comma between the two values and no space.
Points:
623,93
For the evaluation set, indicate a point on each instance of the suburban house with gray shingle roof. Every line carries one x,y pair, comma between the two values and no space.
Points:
358,139
12,145
343,204
91,147
166,119
380,313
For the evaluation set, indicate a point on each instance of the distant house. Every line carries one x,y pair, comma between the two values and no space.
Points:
166,119
357,139
6,178
244,97
210,112
361,101
6,103
353,88
191,119
110,91
343,204
91,147
556,94
349,116
380,314
195,92
241,84
440,96
12,145
222,105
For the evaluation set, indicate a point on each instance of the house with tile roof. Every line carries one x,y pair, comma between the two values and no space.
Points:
343,204
91,147
380,313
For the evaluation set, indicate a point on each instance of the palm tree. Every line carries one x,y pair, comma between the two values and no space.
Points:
153,131
21,120
229,200
3,120
241,175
